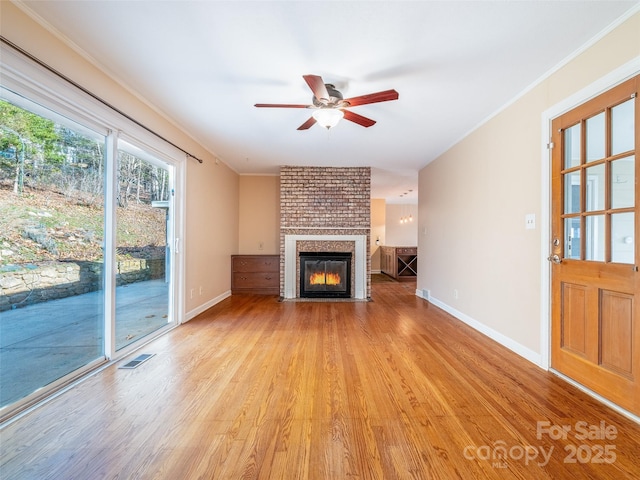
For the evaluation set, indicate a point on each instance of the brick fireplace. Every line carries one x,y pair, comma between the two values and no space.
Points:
325,209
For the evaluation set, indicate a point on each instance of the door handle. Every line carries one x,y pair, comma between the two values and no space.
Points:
554,259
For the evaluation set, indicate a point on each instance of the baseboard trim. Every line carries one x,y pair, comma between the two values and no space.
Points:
206,306
502,339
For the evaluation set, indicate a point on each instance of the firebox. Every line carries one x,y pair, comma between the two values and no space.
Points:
325,274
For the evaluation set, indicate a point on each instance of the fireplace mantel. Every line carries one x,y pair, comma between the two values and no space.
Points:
359,263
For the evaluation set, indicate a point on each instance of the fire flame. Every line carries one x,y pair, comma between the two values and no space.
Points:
324,279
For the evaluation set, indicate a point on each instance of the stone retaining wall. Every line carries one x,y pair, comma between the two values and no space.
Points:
22,285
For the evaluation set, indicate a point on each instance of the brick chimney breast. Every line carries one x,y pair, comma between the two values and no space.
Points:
325,201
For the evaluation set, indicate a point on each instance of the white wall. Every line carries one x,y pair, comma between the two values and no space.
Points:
476,258
259,215
378,231
401,234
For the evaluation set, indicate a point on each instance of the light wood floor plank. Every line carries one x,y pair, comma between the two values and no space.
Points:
256,388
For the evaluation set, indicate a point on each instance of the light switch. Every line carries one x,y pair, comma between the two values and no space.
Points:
530,221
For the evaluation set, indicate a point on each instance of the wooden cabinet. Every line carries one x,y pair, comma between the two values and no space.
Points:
386,255
400,263
255,274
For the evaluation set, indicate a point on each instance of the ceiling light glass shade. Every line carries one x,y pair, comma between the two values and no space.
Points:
328,117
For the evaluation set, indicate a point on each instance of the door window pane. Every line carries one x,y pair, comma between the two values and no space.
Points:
572,192
595,138
622,127
51,241
572,146
595,188
623,183
142,277
594,238
622,238
572,238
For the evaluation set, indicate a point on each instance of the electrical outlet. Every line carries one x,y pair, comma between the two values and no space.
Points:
260,245
455,293
192,292
200,289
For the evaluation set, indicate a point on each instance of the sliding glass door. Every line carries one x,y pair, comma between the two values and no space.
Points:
143,234
86,229
51,249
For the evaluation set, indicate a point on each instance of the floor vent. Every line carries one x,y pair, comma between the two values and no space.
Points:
138,360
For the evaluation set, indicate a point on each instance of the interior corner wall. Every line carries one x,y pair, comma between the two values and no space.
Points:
211,233
378,231
211,188
476,259
259,222
401,234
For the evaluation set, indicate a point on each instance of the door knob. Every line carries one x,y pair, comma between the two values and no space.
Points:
554,259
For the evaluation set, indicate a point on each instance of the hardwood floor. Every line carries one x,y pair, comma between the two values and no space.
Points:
389,389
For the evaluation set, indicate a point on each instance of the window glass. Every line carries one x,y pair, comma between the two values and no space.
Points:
595,188
572,238
594,238
623,182
622,237
51,250
595,138
142,252
572,192
572,146
622,128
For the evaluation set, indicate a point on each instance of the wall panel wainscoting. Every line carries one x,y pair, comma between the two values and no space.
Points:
393,388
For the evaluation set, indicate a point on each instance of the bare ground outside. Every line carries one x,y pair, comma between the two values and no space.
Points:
44,225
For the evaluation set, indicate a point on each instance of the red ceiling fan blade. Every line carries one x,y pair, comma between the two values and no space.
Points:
280,105
359,119
308,124
373,98
316,84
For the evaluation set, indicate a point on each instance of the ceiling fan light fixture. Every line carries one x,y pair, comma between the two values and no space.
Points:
329,105
328,117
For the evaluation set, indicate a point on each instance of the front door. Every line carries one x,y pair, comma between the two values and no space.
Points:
594,253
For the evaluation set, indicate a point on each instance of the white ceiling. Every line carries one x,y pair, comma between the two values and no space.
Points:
204,64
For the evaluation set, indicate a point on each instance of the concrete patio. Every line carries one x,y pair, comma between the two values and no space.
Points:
41,343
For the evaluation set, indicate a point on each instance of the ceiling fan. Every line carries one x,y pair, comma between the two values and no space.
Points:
329,106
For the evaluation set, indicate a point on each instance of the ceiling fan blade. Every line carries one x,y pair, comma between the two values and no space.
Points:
280,105
373,98
316,84
359,119
308,124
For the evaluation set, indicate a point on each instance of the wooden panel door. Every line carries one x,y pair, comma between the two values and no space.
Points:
595,320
